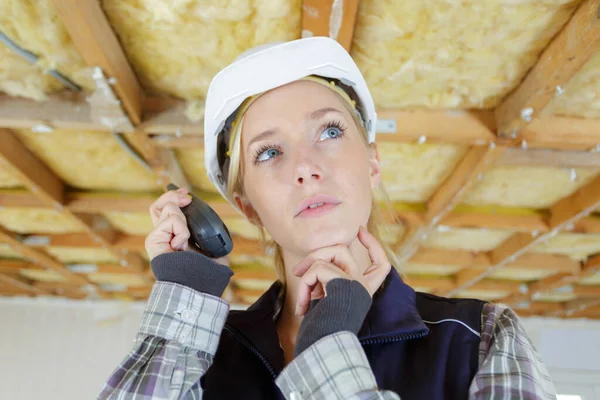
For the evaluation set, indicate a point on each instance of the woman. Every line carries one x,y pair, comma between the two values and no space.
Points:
289,141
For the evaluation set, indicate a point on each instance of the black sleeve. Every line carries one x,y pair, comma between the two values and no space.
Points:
193,270
343,309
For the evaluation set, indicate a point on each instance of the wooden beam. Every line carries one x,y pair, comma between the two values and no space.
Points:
563,133
559,62
563,214
22,284
450,193
588,312
576,206
470,127
34,174
334,19
497,218
549,158
61,111
39,257
98,45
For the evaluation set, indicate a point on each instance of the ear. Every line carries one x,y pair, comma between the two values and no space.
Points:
374,166
244,205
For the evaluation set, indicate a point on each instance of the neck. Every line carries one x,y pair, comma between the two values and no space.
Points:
289,322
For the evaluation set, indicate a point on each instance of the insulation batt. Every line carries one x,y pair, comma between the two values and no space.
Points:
452,53
534,187
89,160
176,47
35,26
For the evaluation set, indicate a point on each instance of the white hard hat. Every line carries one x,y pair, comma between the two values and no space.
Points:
267,67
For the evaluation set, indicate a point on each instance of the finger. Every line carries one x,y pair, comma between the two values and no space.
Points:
175,231
376,251
338,255
176,197
375,277
321,272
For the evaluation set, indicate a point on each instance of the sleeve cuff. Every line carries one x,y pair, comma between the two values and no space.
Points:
193,270
335,367
178,313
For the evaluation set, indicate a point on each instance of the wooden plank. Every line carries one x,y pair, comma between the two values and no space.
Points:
497,218
39,257
61,111
450,193
471,127
558,63
14,267
331,18
588,312
98,45
576,206
167,116
549,158
22,284
563,133
34,174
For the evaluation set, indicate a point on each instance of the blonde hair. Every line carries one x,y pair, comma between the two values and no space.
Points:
235,185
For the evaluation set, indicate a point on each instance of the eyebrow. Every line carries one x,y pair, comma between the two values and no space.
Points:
262,136
323,111
313,115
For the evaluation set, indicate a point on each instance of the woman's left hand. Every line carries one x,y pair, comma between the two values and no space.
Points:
327,263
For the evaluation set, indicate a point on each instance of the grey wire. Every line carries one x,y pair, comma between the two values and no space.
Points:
32,58
123,143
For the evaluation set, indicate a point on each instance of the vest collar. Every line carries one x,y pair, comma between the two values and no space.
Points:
392,313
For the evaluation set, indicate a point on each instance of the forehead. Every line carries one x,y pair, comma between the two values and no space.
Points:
291,102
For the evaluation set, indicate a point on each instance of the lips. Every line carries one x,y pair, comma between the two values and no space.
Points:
321,200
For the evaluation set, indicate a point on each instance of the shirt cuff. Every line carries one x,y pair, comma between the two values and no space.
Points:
335,367
178,313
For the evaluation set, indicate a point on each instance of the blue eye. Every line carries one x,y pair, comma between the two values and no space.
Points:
332,132
267,154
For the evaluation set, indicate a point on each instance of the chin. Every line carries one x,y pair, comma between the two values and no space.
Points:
330,236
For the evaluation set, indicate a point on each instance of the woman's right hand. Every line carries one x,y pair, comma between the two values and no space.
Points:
170,227
171,232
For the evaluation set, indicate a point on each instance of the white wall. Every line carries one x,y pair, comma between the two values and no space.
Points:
59,349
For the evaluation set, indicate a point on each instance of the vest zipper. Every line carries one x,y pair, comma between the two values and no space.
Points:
397,338
253,349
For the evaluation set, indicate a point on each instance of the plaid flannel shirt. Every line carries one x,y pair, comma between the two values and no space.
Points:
180,330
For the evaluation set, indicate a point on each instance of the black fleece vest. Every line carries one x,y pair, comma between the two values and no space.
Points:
419,345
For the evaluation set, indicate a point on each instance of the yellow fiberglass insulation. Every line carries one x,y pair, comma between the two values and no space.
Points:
34,26
412,172
192,163
9,180
534,187
452,54
81,254
575,245
36,220
130,223
177,47
581,96
467,238
18,77
89,160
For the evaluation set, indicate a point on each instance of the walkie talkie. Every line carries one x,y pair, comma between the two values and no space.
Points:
207,232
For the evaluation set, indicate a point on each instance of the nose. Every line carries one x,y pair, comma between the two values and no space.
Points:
307,170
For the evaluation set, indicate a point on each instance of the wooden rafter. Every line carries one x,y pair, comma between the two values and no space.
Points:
450,193
565,212
39,257
559,62
331,18
49,189
22,284
564,278
98,45
525,220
